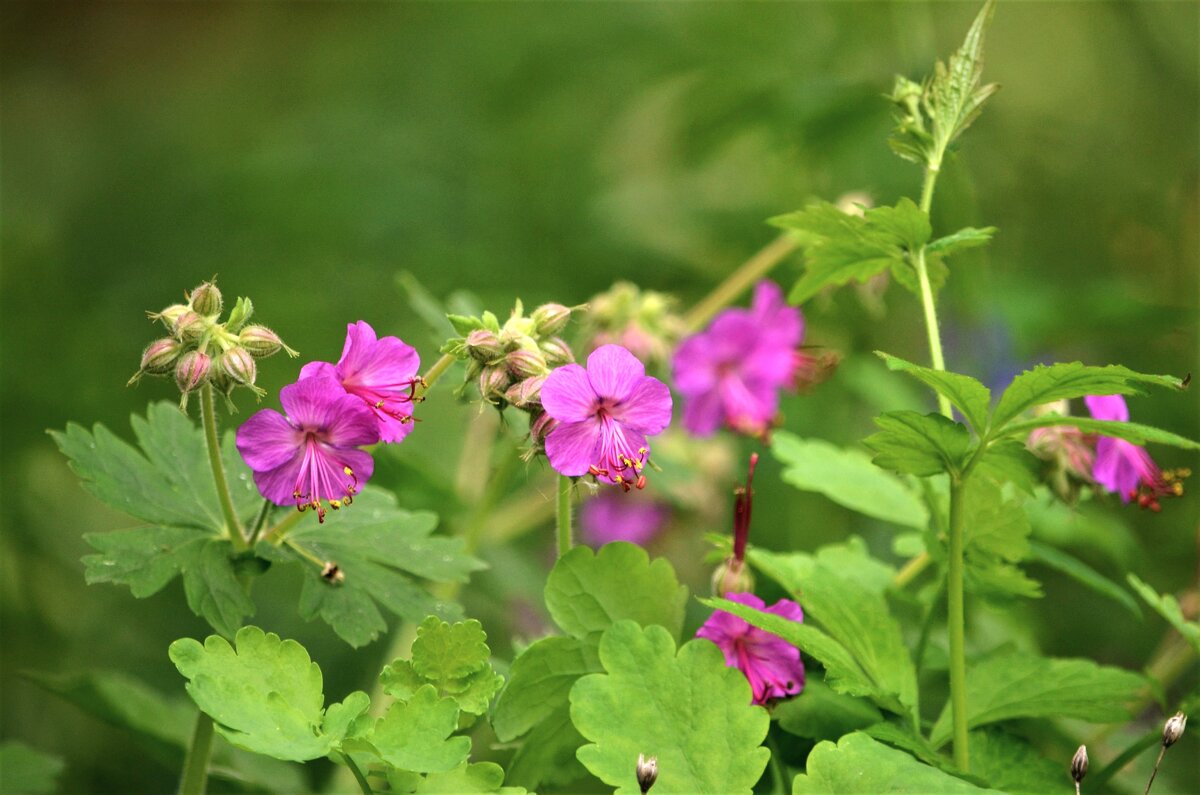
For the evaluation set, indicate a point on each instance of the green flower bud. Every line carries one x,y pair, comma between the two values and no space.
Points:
732,576
206,300
239,365
261,342
526,364
557,352
160,355
484,345
189,327
549,319
169,316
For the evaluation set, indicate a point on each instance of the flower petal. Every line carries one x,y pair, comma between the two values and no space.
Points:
279,484
391,429
647,409
614,372
567,394
572,447
693,369
319,370
267,440
1107,407
387,366
352,424
335,461
360,339
781,324
311,403
702,414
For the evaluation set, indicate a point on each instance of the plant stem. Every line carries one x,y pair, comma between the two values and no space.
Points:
737,282
778,778
279,531
911,570
1154,772
195,765
956,623
363,784
437,371
562,516
927,303
208,415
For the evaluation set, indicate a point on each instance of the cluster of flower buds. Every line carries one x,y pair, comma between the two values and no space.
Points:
202,350
643,322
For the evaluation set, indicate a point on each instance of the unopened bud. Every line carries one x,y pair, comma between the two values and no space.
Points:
493,382
261,342
160,355
541,426
239,365
647,772
1079,764
549,319
732,576
484,345
332,573
557,352
169,316
189,327
192,371
206,300
1173,729
526,393
526,364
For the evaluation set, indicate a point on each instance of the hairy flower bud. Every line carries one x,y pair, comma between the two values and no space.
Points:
261,342
239,365
191,372
1079,764
493,382
1173,729
169,316
647,772
526,364
526,393
189,327
160,355
540,427
557,352
484,345
549,319
206,300
732,576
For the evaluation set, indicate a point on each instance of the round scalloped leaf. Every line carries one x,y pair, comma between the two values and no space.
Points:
449,651
860,764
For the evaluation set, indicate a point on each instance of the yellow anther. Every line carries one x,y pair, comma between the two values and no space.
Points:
335,504
642,451
379,405
348,470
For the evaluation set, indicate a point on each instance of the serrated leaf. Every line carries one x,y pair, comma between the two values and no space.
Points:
955,95
687,709
539,681
144,558
265,696
1012,765
463,324
850,559
453,658
860,764
1129,431
587,592
24,769
1009,461
1168,607
965,393
1020,685
415,734
848,478
1082,573
1045,384
965,238
819,713
212,587
919,444
996,537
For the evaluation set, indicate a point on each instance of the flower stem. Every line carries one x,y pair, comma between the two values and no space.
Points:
195,764
956,623
208,415
363,784
911,570
738,282
927,303
277,533
438,369
1154,772
1147,740
562,515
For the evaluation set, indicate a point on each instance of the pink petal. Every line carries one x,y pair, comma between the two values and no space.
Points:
749,405
334,462
267,440
390,428
702,414
614,372
648,407
1107,407
388,366
311,403
573,447
319,370
782,323
568,396
360,339
351,424
279,484
692,369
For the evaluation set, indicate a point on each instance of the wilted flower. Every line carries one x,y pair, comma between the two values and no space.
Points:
732,372
380,372
1173,729
771,664
1124,467
310,456
611,517
1069,451
604,412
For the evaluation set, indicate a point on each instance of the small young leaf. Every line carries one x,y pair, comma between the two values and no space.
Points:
27,770
964,392
587,592
1045,384
848,478
819,713
860,764
687,709
968,237
415,735
955,94
1167,606
452,658
539,681
1020,685
919,444
1079,571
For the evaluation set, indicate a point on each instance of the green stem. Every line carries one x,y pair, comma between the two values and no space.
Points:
1154,772
562,515
1147,740
209,416
911,570
363,784
195,764
259,521
277,533
778,777
928,307
738,282
956,624
437,371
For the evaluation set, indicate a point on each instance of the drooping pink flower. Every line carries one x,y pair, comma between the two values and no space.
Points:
771,664
604,414
1124,467
310,456
731,373
611,517
383,373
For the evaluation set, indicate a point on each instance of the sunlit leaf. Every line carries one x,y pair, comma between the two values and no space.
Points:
415,734
860,764
820,713
28,770
453,658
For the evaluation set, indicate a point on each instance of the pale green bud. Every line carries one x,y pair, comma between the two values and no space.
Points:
557,352
189,327
549,319
526,364
206,300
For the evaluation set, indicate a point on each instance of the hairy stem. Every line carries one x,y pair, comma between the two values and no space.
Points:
911,570
194,779
438,369
956,624
562,516
937,361
738,282
208,415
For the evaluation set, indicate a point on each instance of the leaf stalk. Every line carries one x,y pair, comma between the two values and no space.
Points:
562,516
194,779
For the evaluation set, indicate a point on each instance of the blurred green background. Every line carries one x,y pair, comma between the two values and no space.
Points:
308,153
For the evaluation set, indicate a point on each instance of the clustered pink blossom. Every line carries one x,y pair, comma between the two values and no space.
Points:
771,664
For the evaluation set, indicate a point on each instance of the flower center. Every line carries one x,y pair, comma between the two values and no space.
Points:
619,463
323,478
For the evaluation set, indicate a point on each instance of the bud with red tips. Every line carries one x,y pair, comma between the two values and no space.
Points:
493,382
191,373
557,352
158,358
483,345
524,363
169,316
238,364
527,393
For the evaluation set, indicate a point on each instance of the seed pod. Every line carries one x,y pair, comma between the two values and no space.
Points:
260,341
493,382
239,365
189,327
526,364
206,300
1173,729
169,316
549,319
647,772
540,427
1079,764
557,352
484,345
526,393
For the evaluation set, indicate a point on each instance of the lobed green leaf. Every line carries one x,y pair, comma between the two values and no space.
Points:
919,444
1129,431
415,734
965,393
820,713
859,763
453,658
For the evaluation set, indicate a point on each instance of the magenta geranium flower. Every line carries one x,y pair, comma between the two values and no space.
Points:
771,664
310,456
380,372
1124,467
604,414
611,517
732,372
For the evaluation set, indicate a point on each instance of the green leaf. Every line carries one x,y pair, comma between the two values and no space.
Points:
687,709
587,592
212,587
850,559
547,756
819,713
27,770
144,558
919,444
968,237
848,478
955,93
539,681
1082,573
380,549
1167,606
454,659
466,779
964,392
266,696
996,537
1011,764
1020,685
860,764
1129,431
1045,384
1086,527
1009,461
415,734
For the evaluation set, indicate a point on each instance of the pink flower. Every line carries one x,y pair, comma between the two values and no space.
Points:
381,372
604,414
771,664
611,517
310,456
732,372
1124,467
